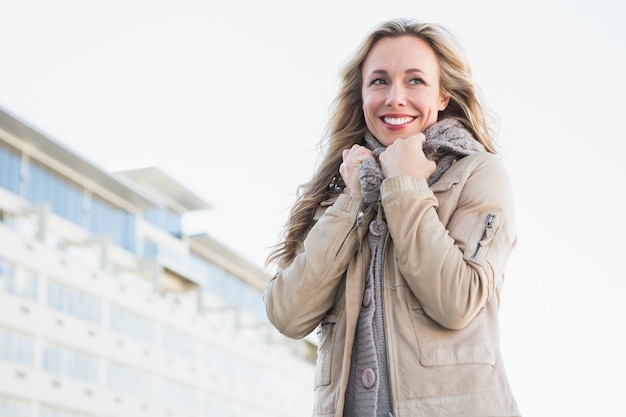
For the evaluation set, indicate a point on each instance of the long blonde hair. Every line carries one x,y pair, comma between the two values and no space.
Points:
346,125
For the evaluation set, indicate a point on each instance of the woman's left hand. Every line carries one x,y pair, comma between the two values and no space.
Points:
406,157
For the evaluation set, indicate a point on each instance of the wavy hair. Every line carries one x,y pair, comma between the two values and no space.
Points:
346,125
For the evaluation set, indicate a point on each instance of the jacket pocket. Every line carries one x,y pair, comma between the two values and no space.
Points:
490,246
439,346
326,342
481,237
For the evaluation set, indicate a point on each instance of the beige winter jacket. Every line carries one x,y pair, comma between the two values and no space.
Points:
443,273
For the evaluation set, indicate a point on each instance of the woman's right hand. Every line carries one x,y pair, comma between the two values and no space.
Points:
406,157
350,167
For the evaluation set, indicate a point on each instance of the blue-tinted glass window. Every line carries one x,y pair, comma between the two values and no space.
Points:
179,344
50,411
131,325
22,282
17,348
12,407
226,286
10,163
152,249
67,200
178,396
129,381
64,196
108,220
71,364
217,281
252,302
200,267
73,302
7,273
165,219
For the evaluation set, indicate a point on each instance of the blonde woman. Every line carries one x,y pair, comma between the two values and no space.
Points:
395,251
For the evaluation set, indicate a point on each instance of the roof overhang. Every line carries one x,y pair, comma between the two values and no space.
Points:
166,187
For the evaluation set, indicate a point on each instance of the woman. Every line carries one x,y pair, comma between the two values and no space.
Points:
396,249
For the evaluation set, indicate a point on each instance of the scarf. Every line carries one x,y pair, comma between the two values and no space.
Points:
367,393
446,141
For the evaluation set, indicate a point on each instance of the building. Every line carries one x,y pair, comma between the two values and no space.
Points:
108,309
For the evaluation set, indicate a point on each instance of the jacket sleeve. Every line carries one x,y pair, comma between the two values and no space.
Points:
298,297
453,269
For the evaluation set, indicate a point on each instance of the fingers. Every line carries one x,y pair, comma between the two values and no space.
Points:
349,168
356,154
406,157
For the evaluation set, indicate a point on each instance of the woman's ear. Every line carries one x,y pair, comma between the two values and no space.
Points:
443,102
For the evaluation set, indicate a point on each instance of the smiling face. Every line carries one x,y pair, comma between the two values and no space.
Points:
401,94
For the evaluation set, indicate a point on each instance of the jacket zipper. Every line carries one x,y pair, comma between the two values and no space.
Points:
489,221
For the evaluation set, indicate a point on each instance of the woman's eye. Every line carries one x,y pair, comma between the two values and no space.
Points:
416,81
378,81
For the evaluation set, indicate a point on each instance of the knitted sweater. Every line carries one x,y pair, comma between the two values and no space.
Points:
367,393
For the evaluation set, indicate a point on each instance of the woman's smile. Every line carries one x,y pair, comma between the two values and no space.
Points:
397,121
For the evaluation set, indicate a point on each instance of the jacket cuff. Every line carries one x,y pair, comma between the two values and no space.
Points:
402,183
347,204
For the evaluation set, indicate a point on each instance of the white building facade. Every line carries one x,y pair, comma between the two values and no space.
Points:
107,309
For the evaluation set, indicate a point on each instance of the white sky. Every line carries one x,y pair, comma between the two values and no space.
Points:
231,98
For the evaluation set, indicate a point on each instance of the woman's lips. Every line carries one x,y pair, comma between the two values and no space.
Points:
397,122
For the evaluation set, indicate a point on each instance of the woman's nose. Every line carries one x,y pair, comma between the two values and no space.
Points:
396,96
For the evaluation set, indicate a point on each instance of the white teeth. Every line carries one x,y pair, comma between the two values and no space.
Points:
396,121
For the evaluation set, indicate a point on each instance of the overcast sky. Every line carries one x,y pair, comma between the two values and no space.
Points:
230,98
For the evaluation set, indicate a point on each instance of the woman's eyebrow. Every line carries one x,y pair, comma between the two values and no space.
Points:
407,71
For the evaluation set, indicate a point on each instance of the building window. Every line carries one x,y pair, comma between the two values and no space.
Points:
67,199
48,411
179,344
222,284
17,348
252,302
12,407
18,281
154,250
71,364
108,220
129,381
227,287
73,302
131,325
64,196
10,165
178,397
219,361
165,220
